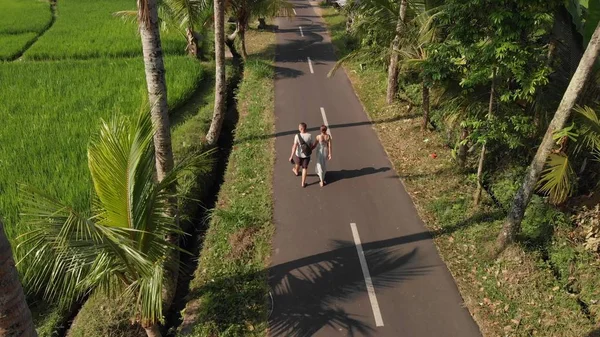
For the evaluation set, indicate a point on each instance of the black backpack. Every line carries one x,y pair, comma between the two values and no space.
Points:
306,149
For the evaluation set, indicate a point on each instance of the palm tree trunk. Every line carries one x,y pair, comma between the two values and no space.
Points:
392,85
477,197
512,225
243,40
157,97
152,330
192,43
157,86
425,107
220,86
462,148
15,317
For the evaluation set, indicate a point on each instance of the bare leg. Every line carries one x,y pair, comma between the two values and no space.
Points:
304,173
296,169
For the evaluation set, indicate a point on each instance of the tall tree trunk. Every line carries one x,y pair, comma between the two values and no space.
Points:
157,86
243,40
477,197
512,225
425,107
15,317
462,148
152,330
192,43
392,85
157,97
220,86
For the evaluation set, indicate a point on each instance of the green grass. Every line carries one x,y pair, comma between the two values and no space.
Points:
49,110
12,45
534,288
87,29
24,16
229,288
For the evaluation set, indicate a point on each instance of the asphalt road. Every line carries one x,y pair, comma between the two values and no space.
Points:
323,282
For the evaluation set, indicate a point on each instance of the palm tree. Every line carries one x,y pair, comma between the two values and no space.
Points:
212,136
122,247
157,85
413,54
244,10
189,17
559,178
392,85
512,224
15,317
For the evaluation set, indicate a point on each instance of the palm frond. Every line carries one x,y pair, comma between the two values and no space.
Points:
589,129
558,178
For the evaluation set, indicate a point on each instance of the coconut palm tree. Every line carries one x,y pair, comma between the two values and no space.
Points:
157,85
392,85
413,55
212,136
190,17
559,178
512,225
244,10
15,317
121,248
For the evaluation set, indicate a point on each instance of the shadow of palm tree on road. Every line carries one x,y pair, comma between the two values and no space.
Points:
308,293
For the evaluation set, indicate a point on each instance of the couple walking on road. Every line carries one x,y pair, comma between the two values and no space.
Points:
302,149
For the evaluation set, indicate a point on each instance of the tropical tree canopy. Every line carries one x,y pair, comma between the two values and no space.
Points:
121,246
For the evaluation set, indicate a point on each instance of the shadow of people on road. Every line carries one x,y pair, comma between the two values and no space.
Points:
333,176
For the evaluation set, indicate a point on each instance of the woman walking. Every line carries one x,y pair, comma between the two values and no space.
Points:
323,145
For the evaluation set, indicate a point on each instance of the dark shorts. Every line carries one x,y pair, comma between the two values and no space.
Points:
302,161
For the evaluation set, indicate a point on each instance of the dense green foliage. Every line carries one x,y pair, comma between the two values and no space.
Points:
547,284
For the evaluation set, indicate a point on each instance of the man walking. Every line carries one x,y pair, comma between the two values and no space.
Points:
301,151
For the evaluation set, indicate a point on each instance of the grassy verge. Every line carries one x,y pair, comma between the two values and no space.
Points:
543,286
98,33
229,288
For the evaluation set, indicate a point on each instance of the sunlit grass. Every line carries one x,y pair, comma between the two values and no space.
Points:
13,44
88,29
48,111
24,16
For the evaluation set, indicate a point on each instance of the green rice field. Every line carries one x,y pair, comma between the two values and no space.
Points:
24,16
49,110
59,77
21,21
88,29
12,45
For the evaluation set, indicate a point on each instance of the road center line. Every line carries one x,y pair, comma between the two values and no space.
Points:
310,66
301,32
325,120
366,274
